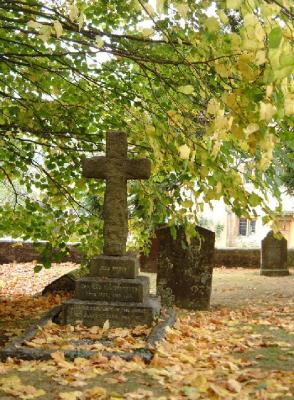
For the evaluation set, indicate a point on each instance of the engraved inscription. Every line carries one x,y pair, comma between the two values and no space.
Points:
107,290
90,315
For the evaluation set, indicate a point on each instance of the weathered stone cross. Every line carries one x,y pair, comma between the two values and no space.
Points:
116,168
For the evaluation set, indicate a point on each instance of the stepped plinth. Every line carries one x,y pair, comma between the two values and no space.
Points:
113,290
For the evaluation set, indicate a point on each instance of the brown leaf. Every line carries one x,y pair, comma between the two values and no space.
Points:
233,386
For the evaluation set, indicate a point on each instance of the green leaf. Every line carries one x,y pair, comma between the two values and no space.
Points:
275,37
287,60
254,200
38,268
234,4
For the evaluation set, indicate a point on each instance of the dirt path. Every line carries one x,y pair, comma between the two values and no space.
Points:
239,286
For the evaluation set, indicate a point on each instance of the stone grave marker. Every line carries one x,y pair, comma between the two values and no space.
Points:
113,290
273,256
184,274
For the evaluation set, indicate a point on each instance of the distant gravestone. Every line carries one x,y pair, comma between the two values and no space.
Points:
274,256
184,274
113,290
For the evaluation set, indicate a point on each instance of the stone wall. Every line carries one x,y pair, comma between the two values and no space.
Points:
18,251
13,250
246,258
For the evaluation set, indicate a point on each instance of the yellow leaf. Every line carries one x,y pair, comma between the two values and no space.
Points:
45,32
215,148
58,28
184,151
73,12
106,325
234,4
150,130
203,171
269,10
259,32
187,203
223,17
219,187
94,329
222,70
182,9
267,110
269,90
201,383
289,104
233,386
146,32
70,395
149,9
260,57
187,89
235,41
251,128
57,356
250,19
159,5
10,380
284,86
96,392
223,393
252,44
212,24
99,42
213,106
81,21
34,24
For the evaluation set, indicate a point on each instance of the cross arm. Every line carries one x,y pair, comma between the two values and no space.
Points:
94,167
138,169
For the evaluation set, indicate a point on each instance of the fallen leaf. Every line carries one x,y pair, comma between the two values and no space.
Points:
70,395
233,386
106,325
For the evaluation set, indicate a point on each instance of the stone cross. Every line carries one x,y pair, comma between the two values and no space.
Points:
116,168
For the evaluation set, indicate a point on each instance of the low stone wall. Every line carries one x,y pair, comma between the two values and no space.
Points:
18,251
246,258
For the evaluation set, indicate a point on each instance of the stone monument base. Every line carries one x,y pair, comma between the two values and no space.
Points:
112,291
274,272
119,314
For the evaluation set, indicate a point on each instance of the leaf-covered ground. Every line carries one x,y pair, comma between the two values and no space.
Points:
242,349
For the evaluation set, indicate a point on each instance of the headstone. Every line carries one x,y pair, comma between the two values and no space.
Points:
113,290
184,271
274,256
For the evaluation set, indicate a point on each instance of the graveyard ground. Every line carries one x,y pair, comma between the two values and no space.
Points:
243,348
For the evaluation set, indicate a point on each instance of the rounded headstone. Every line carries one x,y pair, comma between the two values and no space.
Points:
274,256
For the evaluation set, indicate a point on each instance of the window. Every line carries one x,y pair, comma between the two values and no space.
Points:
243,227
252,226
247,226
